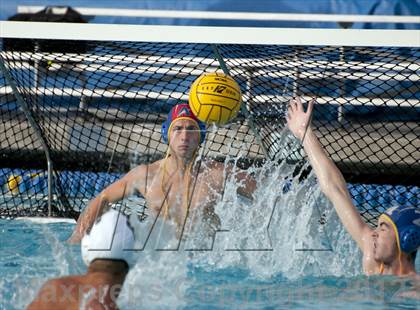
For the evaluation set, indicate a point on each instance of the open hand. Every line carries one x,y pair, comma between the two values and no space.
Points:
298,120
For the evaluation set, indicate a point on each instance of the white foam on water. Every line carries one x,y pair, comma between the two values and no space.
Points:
160,275
62,257
280,233
46,220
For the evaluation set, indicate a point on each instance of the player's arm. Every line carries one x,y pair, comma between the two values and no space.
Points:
330,178
113,193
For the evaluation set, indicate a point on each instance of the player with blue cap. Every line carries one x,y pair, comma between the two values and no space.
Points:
177,183
390,248
405,223
180,118
179,112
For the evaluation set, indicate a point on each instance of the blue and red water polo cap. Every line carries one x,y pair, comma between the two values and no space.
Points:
181,111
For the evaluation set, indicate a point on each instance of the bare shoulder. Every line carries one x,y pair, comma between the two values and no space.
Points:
141,171
137,178
47,297
153,167
50,285
136,171
60,284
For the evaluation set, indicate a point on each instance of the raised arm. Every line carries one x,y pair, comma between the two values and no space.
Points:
113,193
330,178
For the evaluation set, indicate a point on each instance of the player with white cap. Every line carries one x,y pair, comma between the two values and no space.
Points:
108,252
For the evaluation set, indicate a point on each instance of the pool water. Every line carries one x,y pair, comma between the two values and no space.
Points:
285,250
280,278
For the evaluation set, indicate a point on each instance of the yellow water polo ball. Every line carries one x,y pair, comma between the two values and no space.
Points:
215,98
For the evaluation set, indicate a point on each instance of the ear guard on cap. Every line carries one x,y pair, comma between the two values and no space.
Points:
181,111
410,239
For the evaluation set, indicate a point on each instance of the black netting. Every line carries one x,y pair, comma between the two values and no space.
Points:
100,113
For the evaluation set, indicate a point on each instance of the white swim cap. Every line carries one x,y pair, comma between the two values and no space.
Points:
110,238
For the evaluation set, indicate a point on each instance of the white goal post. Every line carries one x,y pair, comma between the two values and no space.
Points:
210,35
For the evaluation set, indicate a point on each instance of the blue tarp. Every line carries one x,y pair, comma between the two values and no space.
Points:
89,184
359,7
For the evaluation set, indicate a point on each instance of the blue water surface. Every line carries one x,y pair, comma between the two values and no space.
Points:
32,253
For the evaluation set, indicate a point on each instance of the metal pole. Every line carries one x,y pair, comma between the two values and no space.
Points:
340,112
342,83
295,88
243,110
35,127
50,176
248,89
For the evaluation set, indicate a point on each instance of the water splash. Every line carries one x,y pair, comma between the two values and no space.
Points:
288,230
160,274
292,232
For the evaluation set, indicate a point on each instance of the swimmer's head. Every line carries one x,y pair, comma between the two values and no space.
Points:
181,111
406,224
111,237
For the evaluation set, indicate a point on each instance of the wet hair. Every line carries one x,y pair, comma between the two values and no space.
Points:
127,267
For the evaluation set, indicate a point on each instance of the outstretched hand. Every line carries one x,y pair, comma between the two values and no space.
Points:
298,120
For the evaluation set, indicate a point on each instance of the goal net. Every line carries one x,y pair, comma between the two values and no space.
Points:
94,108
